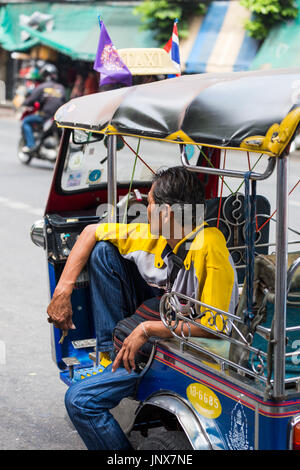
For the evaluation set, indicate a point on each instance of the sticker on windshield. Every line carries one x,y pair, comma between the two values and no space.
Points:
76,161
94,177
74,179
204,400
189,151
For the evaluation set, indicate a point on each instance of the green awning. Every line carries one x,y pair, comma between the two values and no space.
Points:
281,48
76,28
10,31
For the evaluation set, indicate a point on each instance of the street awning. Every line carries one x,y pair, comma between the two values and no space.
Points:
222,44
10,30
75,30
281,48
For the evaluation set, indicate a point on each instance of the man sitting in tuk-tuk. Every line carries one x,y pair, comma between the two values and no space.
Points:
127,265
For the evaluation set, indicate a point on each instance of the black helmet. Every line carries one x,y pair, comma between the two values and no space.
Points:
48,71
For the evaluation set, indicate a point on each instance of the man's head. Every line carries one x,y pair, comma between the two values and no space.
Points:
48,72
176,199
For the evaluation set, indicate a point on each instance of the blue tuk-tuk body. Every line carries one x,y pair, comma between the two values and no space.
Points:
241,390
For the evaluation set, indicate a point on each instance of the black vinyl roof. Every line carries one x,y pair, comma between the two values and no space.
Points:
257,111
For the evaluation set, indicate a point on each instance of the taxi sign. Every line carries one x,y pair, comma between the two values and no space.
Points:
147,61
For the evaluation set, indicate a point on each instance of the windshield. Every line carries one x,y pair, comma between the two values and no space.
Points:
86,164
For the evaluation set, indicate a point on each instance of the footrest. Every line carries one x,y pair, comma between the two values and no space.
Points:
81,374
70,363
84,343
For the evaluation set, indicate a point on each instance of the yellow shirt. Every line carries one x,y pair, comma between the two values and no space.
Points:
208,274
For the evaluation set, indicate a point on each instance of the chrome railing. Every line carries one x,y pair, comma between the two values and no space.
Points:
224,172
178,312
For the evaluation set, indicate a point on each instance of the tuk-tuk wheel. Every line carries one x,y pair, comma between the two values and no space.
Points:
166,440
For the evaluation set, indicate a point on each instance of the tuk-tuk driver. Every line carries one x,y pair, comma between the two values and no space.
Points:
124,272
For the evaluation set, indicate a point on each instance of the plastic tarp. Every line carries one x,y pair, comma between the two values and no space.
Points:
75,28
281,48
222,44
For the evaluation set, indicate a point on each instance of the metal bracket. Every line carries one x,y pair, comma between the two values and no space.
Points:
70,363
84,343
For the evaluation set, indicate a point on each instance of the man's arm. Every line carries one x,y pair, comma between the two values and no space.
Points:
142,332
35,95
60,309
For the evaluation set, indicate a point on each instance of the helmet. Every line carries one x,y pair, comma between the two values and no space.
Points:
48,71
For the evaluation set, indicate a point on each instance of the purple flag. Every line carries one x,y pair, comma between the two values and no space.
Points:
108,62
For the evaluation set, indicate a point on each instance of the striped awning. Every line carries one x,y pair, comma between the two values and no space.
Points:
221,43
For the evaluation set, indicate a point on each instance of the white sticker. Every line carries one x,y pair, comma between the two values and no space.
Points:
237,438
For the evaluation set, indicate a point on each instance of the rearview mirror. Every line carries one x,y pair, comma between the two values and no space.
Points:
81,137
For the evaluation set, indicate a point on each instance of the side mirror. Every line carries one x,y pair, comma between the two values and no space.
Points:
37,233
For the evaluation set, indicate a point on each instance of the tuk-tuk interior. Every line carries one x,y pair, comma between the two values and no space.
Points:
98,165
81,182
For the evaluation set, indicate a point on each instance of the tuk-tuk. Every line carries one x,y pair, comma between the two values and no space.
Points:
240,391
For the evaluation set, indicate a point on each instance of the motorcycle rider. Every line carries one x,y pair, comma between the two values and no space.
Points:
50,95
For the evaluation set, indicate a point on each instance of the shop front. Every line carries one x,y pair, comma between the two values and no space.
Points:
66,35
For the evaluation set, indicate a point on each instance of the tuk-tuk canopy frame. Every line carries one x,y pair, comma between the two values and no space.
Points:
250,111
257,111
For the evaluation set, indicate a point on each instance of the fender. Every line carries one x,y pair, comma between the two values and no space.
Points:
186,417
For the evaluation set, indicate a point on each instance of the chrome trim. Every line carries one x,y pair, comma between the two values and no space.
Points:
186,416
280,279
292,423
168,304
37,233
171,315
112,178
223,172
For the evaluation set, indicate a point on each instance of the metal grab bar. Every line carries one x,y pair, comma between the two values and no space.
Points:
170,301
223,172
291,271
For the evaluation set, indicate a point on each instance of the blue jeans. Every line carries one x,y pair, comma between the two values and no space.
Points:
117,289
27,128
88,404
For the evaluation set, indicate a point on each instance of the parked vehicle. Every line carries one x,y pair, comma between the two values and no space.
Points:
47,137
239,391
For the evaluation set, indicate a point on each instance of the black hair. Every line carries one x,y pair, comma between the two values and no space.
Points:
177,185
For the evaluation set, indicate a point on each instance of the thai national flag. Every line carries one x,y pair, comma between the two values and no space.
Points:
172,48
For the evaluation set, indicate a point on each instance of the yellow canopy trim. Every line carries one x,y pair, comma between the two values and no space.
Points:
277,137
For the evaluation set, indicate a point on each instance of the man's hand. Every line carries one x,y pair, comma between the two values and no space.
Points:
60,312
60,309
130,347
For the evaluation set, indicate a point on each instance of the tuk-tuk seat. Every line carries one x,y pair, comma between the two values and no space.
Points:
228,215
216,346
264,289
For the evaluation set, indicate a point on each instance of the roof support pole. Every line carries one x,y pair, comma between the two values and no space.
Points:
281,278
224,172
112,178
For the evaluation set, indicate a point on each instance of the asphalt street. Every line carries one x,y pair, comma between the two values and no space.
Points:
31,395
32,408
32,411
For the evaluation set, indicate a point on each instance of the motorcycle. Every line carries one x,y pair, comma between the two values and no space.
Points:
46,135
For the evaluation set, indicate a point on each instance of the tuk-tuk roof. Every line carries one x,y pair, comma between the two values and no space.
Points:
256,111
